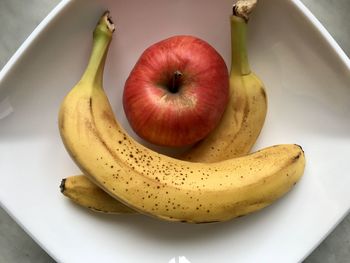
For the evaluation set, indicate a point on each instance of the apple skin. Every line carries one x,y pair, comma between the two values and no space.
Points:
177,91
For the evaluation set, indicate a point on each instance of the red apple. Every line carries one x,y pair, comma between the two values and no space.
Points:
177,91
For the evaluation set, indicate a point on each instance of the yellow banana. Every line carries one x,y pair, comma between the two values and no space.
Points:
158,185
238,130
245,114
85,193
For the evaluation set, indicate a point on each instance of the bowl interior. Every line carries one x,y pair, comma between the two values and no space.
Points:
308,91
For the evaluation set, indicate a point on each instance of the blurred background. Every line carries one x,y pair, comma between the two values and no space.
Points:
18,19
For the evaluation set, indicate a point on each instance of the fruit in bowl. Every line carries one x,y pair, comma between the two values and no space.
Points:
136,176
177,91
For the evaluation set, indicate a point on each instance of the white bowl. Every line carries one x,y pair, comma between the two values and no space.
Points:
307,78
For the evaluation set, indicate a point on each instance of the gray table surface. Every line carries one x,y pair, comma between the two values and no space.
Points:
18,18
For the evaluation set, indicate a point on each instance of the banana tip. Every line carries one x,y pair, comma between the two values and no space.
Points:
108,18
62,185
301,148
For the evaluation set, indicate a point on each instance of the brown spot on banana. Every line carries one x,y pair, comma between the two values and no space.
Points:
296,157
263,93
61,122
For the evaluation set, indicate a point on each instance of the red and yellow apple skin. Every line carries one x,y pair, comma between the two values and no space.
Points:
177,92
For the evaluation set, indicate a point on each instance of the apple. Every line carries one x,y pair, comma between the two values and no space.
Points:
177,91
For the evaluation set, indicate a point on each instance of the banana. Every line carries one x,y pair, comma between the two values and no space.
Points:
83,192
245,114
155,184
239,127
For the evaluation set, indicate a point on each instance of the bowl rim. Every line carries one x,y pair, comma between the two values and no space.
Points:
62,6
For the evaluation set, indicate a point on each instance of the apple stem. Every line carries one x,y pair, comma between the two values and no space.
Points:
176,82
